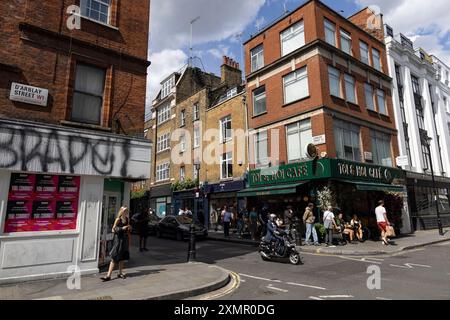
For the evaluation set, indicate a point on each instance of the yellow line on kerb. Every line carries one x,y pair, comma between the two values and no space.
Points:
236,281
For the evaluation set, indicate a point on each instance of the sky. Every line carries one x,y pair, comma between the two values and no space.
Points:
224,25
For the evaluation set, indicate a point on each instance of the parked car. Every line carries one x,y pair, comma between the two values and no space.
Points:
178,227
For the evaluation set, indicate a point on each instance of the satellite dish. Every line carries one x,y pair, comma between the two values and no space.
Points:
311,151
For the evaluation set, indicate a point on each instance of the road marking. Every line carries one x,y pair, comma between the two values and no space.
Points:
315,298
277,289
259,278
366,260
243,281
336,296
410,266
305,285
235,283
380,298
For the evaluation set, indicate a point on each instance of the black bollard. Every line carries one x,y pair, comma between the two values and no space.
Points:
192,251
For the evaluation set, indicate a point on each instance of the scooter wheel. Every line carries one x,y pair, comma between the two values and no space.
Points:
264,256
294,258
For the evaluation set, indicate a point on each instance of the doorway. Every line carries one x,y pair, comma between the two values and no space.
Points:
110,208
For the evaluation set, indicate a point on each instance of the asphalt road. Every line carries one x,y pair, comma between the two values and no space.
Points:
419,274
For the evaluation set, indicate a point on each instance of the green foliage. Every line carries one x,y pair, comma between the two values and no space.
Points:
321,231
138,194
325,198
187,184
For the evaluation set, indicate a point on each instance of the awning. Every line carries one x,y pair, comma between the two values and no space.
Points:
368,186
270,190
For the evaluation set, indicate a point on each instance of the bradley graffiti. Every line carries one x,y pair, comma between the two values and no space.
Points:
62,152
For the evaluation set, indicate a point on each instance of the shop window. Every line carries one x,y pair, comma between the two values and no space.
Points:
295,85
299,135
292,38
347,140
381,148
88,94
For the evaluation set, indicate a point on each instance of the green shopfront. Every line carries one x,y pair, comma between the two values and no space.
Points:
355,189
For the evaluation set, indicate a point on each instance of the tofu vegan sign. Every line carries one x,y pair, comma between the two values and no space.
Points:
324,169
28,94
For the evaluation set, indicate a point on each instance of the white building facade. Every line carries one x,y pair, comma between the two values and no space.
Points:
422,121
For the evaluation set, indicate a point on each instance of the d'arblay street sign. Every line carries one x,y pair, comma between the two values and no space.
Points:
324,169
28,94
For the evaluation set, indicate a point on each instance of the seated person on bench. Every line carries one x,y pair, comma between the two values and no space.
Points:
356,225
344,228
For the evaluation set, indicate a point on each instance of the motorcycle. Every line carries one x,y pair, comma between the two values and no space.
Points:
284,250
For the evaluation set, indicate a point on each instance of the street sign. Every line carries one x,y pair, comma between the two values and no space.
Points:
28,94
318,140
402,161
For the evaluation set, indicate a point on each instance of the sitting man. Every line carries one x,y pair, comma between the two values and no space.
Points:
272,235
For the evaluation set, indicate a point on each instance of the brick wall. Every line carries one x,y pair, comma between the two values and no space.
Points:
37,49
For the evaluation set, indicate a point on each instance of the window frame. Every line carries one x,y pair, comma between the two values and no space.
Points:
331,77
161,141
353,130
196,112
261,161
292,35
163,172
107,3
297,131
344,34
197,140
373,107
300,75
334,31
257,93
380,137
353,83
258,54
164,113
376,65
183,118
361,44
385,111
227,160
224,131
182,173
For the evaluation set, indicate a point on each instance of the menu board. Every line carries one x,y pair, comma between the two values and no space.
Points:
41,202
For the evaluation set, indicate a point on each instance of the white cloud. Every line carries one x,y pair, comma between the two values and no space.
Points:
424,21
221,51
170,31
163,64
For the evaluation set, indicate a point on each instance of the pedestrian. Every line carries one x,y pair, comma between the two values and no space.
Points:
214,219
188,212
330,225
181,212
226,217
240,222
253,223
382,221
141,220
120,251
308,220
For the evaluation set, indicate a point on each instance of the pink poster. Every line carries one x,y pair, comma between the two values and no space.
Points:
42,203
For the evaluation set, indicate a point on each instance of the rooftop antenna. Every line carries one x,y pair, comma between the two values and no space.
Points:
239,38
190,45
286,11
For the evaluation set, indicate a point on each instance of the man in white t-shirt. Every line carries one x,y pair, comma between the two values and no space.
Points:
382,220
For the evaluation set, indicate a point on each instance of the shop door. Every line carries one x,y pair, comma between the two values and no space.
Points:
111,203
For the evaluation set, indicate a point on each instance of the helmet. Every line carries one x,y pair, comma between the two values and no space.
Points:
272,217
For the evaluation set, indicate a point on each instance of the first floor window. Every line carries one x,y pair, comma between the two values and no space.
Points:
347,140
195,173
261,152
196,112
368,89
88,94
183,118
381,98
182,173
164,113
163,172
381,148
299,135
196,137
226,166
163,142
98,10
259,101
296,85
350,90
335,81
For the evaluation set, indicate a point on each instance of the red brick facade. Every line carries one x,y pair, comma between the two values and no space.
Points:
38,49
319,106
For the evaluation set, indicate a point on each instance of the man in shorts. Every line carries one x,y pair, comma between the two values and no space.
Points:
382,221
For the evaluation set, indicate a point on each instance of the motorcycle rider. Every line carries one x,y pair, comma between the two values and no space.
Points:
272,233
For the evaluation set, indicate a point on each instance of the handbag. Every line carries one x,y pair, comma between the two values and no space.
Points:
390,232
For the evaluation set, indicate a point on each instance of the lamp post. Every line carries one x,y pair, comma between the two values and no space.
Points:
428,143
192,250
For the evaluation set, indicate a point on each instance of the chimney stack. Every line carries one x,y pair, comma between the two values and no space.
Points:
230,72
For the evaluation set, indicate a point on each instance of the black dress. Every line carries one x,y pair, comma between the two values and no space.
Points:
120,249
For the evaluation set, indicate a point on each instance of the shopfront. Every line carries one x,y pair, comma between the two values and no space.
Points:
355,188
422,197
59,191
161,200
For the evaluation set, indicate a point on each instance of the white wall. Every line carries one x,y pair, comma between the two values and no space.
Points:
46,255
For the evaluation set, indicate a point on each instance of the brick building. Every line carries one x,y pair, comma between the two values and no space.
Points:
318,78
72,99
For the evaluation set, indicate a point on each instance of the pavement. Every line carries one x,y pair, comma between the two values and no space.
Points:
368,248
152,276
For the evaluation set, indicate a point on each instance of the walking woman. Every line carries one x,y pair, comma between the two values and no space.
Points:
120,250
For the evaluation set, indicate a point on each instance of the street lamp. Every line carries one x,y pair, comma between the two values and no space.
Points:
192,250
428,143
